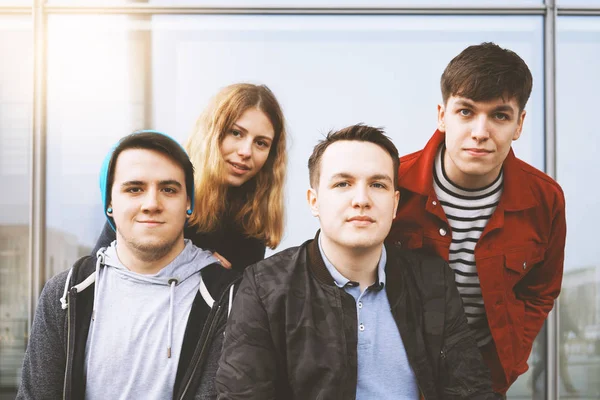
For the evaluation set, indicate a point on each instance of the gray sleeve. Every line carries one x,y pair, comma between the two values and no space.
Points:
45,357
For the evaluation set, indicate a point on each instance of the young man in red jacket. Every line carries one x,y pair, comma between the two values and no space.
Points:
498,221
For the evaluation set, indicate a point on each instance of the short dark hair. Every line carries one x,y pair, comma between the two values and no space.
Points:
152,140
360,133
487,71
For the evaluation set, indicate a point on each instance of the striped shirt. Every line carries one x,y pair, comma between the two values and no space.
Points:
468,212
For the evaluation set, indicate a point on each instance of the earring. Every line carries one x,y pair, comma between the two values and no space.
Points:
189,212
109,210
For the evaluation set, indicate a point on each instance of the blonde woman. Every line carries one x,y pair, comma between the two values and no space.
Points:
238,150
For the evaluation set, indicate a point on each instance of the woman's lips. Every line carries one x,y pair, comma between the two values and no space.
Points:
239,169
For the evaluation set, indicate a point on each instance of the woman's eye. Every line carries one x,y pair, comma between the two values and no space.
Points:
236,133
263,144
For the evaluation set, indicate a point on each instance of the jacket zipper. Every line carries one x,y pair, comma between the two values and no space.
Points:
202,351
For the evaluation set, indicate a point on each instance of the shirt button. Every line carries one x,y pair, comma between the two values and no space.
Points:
360,304
434,203
524,264
442,232
361,327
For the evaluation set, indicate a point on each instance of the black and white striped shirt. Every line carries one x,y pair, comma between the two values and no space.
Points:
468,212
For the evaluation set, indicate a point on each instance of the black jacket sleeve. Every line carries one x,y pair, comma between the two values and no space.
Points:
463,372
45,358
107,236
248,366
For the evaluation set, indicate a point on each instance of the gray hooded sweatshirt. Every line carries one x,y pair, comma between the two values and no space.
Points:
138,324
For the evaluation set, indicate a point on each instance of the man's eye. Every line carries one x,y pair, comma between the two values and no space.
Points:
341,184
133,190
170,190
379,185
464,112
502,117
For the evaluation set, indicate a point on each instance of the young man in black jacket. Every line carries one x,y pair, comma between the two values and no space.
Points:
343,316
144,317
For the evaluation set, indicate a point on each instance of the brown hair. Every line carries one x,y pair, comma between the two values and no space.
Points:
485,72
358,132
261,212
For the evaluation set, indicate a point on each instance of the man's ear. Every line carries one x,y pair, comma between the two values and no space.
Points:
311,197
520,126
441,112
397,201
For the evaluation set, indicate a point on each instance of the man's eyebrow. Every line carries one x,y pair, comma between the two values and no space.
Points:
381,177
465,103
132,183
376,177
469,104
341,175
161,183
504,107
170,182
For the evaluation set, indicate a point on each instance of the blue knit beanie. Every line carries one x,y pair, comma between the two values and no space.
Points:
104,176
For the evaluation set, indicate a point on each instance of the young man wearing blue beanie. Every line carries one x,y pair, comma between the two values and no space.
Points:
144,317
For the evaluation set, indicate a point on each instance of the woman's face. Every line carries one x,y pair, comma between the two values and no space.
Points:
245,148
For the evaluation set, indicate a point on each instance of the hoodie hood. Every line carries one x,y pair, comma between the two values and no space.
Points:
104,177
190,261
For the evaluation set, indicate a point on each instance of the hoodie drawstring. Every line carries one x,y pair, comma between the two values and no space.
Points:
172,282
99,261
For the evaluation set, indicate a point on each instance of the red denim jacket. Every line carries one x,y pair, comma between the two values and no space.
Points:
519,256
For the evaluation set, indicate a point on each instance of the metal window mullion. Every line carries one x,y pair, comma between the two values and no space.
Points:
406,10
550,167
37,216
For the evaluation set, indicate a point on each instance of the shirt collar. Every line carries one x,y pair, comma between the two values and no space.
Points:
341,281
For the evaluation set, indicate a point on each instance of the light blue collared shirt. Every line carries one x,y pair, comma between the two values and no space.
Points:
383,368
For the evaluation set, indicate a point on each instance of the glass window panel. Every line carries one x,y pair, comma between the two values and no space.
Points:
109,75
16,89
330,72
96,94
578,63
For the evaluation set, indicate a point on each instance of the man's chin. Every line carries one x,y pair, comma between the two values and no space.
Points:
152,249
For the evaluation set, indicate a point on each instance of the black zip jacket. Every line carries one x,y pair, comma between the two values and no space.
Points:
292,333
53,367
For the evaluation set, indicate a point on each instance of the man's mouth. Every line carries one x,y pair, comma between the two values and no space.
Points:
477,152
361,220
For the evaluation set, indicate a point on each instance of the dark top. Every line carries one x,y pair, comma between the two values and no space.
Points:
239,249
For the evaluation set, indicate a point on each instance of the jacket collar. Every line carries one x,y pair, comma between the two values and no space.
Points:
417,177
316,263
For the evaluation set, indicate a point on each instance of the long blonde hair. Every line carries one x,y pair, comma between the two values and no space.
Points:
260,213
